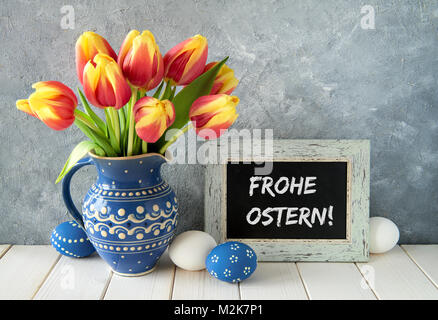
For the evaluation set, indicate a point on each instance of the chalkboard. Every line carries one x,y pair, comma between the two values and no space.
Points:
324,215
297,200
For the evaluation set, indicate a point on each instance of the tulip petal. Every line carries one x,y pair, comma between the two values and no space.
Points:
225,81
91,80
24,106
218,125
55,88
88,45
127,44
215,113
178,66
120,88
186,61
152,118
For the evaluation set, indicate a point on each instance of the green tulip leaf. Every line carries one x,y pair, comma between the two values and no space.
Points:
102,142
77,154
85,116
182,102
97,120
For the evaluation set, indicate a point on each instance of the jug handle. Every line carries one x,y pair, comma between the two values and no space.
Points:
74,212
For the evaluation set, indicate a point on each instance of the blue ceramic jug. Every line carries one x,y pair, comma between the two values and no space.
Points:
129,214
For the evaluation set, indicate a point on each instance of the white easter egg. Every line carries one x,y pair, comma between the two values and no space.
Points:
189,249
384,235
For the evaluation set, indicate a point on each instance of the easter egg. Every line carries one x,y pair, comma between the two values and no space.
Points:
231,261
189,249
70,239
384,235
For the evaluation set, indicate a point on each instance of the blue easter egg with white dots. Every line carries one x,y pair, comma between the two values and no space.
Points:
231,261
70,239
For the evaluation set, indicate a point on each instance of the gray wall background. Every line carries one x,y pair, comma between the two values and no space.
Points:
306,69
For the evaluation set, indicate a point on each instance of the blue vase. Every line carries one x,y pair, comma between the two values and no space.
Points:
129,214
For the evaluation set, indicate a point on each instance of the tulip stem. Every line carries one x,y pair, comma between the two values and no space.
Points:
131,122
116,123
167,91
175,137
112,134
158,91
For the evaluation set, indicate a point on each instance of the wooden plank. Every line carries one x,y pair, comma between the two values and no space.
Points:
156,285
393,275
274,281
72,278
23,269
334,281
3,249
199,285
426,258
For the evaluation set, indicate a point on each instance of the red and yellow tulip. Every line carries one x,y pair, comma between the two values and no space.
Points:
104,84
225,81
186,61
141,60
52,102
152,118
87,46
215,113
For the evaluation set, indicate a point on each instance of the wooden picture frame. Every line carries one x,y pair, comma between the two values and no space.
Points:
356,153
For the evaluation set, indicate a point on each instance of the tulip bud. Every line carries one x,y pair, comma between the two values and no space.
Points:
215,113
52,102
225,82
88,45
152,118
141,60
186,61
104,84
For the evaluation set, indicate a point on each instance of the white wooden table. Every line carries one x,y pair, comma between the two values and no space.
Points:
39,272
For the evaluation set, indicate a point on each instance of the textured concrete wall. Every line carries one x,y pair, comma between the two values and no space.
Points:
308,69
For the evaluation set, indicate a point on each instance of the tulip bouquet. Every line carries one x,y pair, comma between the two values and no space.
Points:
135,121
